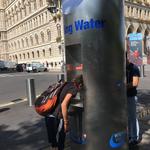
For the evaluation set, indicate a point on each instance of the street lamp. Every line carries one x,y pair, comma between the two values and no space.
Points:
63,58
53,6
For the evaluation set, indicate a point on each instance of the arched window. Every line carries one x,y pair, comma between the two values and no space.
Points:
16,13
58,30
46,16
28,55
36,39
40,19
42,37
10,58
50,51
20,56
59,47
24,56
35,5
49,35
12,46
41,3
43,52
22,41
18,44
32,54
27,42
31,40
15,45
29,8
38,54
16,57
139,30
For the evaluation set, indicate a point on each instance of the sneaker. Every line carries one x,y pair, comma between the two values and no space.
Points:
134,142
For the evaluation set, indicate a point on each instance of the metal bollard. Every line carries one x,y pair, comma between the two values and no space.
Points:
142,71
30,89
60,77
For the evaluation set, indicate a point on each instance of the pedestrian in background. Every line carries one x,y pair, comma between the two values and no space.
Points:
57,124
132,76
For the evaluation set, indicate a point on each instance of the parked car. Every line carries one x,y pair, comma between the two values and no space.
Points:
7,65
35,67
21,67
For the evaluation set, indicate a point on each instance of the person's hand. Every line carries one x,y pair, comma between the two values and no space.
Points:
66,126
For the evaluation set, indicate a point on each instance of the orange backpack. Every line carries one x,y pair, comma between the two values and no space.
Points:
46,103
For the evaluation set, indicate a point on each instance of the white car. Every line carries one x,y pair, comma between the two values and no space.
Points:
35,67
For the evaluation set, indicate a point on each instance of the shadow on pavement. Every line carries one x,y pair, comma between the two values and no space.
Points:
4,109
26,137
144,97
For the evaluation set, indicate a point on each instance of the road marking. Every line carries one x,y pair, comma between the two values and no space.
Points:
12,103
15,102
18,75
5,75
25,74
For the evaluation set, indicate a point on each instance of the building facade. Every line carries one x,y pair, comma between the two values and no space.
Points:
29,32
137,20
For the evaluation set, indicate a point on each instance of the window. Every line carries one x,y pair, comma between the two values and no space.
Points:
32,54
59,30
31,40
38,54
20,56
16,57
24,56
12,45
35,6
28,55
50,51
49,35
18,44
42,37
41,3
27,43
15,45
36,39
40,19
59,47
43,52
29,8
22,42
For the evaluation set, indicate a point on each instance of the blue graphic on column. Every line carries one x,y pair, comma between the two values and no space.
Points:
69,5
117,139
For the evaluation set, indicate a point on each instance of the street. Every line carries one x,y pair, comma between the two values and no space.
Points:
13,85
22,128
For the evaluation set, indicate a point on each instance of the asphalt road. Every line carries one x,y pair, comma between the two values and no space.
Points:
13,85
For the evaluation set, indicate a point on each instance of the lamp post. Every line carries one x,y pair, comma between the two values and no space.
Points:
54,7
63,58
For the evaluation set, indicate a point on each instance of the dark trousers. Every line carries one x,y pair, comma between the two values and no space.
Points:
133,125
55,132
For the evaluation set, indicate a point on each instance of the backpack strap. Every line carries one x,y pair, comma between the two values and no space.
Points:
58,106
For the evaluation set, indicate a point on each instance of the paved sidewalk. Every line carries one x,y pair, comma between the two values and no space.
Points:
21,128
144,110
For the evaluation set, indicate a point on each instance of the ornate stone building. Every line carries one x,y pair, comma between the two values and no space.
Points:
137,20
29,32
